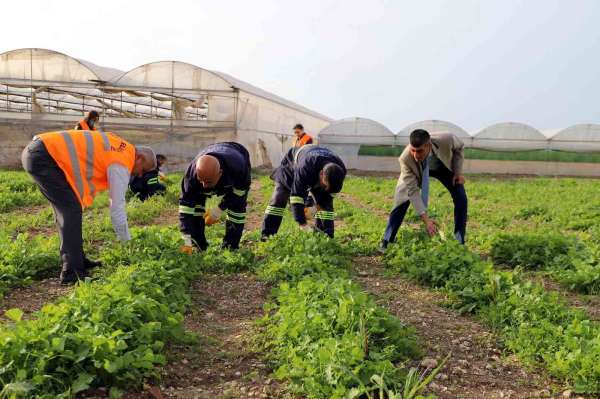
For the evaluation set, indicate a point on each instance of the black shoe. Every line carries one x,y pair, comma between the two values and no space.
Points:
68,277
90,264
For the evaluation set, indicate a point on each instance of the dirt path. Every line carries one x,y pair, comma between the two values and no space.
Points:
477,368
32,298
223,363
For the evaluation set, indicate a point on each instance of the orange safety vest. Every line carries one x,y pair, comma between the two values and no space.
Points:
85,158
84,126
302,141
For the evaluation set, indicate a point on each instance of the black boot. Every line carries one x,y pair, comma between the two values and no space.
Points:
68,277
90,264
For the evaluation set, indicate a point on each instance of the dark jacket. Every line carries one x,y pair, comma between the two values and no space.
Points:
233,185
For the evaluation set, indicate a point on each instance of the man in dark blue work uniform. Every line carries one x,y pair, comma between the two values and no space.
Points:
309,168
219,169
149,184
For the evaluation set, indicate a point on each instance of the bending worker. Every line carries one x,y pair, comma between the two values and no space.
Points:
149,184
89,122
439,156
70,168
219,169
302,138
309,168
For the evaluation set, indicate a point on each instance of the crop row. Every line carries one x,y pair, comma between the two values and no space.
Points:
536,325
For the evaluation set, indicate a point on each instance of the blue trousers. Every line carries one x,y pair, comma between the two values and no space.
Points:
459,196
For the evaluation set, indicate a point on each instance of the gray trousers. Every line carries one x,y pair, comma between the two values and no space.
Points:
67,208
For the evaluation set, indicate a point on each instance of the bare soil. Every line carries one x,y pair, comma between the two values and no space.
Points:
32,298
477,366
223,363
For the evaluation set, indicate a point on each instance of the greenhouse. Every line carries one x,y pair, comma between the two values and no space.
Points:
580,138
434,127
510,136
349,135
174,106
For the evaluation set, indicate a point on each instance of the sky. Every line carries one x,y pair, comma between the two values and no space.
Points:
474,63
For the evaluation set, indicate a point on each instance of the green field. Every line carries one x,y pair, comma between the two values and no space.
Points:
325,326
472,153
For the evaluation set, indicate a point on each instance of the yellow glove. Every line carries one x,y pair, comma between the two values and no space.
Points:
213,216
186,249
310,212
188,246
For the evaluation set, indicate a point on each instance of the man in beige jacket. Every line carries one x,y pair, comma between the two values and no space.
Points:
440,156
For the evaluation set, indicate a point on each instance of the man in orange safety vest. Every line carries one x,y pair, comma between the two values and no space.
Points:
89,122
70,168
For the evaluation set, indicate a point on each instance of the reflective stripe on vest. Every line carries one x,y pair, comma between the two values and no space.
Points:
74,162
85,158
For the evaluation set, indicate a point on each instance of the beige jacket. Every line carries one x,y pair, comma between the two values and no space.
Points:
448,148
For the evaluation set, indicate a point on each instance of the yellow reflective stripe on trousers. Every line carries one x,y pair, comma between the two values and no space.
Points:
239,193
274,210
89,162
74,162
325,215
296,200
235,217
186,210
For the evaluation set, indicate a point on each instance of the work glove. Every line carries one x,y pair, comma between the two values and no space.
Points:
188,245
212,216
310,212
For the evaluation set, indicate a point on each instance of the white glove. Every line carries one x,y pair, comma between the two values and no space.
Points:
187,240
305,227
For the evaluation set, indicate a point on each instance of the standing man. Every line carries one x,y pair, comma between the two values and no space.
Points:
306,169
70,168
89,122
149,183
219,169
302,138
440,156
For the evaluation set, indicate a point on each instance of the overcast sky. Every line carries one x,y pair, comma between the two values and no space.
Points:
470,62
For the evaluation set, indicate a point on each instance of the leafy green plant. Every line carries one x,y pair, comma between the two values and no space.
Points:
529,250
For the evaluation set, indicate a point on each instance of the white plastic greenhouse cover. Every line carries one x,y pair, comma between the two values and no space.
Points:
582,137
356,130
173,75
434,126
510,136
249,88
49,65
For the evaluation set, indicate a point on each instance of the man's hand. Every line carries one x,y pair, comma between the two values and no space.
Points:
430,225
213,216
458,180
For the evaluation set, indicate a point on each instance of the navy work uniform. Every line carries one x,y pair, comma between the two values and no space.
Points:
233,185
298,175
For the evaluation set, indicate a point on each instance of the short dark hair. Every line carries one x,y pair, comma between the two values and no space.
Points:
161,157
419,137
298,126
334,177
93,114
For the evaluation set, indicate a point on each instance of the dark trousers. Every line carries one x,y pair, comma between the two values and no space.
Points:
459,197
278,202
67,208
